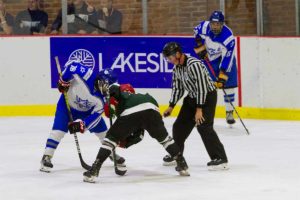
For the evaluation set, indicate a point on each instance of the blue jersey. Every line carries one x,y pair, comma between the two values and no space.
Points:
220,48
83,99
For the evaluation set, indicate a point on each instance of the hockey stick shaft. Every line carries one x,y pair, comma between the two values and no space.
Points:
83,164
214,74
247,131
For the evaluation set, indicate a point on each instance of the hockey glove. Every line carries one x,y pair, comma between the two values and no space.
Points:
102,86
63,86
222,78
76,126
202,54
200,50
109,112
112,110
134,138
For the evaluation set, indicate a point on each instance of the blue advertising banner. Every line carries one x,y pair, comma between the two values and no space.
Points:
137,60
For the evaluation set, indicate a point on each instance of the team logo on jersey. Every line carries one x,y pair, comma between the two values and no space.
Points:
73,68
81,103
83,56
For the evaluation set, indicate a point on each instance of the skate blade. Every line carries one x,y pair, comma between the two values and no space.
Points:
89,179
220,167
184,173
45,169
169,163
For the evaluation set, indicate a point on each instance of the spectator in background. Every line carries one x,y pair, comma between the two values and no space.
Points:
81,18
6,20
32,20
109,18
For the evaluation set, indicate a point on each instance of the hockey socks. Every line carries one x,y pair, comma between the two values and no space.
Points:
104,152
176,155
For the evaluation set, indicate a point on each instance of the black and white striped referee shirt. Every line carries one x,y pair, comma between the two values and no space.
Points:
192,77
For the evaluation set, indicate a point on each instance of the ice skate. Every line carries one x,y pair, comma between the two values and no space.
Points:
46,164
229,118
217,164
90,175
182,166
168,161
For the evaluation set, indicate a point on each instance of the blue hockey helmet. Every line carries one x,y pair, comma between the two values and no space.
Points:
108,75
104,79
216,22
217,16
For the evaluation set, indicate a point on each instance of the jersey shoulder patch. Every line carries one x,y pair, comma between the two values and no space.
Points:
202,28
227,36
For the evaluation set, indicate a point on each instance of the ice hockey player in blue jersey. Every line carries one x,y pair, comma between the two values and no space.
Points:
87,106
215,45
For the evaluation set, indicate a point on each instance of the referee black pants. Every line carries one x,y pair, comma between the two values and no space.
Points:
185,123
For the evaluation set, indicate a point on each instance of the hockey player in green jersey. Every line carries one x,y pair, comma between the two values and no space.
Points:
134,112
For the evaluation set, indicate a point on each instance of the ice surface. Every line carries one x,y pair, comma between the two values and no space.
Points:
264,165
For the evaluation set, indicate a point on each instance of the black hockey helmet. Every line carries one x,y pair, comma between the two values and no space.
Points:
171,48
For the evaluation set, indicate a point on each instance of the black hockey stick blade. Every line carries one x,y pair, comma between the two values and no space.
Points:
83,164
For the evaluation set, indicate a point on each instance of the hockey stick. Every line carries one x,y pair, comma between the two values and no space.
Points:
213,72
83,164
117,170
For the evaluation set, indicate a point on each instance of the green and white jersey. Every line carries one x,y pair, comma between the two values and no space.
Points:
131,103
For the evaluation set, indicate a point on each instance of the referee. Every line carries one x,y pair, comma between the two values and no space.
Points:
198,108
